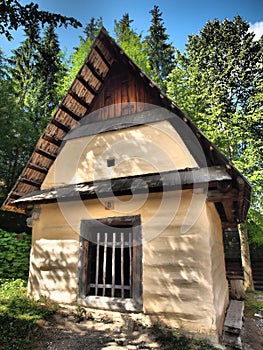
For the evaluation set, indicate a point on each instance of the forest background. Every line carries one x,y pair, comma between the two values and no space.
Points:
217,80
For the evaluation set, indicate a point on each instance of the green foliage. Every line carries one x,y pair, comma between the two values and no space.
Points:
14,255
132,43
19,315
160,52
253,302
171,339
13,15
218,82
28,96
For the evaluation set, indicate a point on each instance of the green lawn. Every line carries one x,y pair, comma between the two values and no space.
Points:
19,315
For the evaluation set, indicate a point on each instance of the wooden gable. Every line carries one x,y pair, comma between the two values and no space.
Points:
110,85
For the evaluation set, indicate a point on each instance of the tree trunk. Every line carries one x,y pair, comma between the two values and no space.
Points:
245,257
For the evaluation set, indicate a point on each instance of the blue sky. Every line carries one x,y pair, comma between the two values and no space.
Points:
181,18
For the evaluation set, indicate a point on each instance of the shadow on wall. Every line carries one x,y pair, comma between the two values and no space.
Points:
54,269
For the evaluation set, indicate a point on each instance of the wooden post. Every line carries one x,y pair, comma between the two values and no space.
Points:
245,257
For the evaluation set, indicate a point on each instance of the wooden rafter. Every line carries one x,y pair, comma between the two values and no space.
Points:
87,85
30,182
94,72
80,100
37,168
97,49
69,112
45,154
52,139
60,125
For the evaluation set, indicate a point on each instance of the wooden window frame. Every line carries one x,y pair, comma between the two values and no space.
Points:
114,303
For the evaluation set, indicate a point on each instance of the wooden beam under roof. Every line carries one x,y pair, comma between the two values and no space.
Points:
87,85
80,100
218,196
31,182
59,125
37,168
98,50
69,112
45,154
52,140
94,72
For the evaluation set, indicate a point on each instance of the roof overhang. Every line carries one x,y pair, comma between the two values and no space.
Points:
215,182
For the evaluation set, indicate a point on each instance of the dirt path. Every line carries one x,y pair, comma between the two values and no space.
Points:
102,330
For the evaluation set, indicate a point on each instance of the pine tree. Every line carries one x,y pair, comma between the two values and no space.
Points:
44,96
23,64
159,51
131,43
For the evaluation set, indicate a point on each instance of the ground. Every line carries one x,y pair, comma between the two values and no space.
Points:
77,328
252,332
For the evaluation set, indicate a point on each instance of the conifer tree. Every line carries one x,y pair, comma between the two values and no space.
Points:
159,51
23,63
44,95
131,42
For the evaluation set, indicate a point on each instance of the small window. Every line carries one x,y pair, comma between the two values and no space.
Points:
111,260
110,162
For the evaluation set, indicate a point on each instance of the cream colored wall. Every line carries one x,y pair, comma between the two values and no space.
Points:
138,150
220,285
183,279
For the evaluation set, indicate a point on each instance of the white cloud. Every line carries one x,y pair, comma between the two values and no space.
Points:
257,28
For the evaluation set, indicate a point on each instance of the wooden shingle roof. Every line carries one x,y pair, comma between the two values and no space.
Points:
105,61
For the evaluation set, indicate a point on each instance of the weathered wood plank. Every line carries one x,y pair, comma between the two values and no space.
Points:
70,113
97,264
234,317
113,264
122,264
59,125
104,263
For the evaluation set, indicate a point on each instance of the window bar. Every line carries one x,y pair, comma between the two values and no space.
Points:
97,264
104,263
122,265
130,257
113,264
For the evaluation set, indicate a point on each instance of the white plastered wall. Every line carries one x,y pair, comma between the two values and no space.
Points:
184,283
138,150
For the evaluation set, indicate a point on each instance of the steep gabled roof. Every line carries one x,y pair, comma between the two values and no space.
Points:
104,61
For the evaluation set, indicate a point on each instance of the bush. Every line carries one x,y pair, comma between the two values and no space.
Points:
19,315
14,255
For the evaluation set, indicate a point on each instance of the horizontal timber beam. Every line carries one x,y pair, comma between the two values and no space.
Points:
30,182
45,154
102,56
94,72
217,196
87,85
52,140
59,125
37,168
70,113
79,99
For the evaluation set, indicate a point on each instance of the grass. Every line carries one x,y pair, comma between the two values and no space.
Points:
253,302
19,315
170,339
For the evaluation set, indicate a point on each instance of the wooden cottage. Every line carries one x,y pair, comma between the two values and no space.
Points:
127,200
